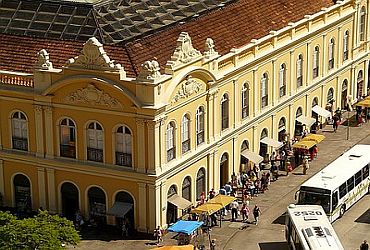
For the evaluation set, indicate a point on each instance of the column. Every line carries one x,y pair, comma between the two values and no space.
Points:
39,131
339,48
2,183
1,143
154,213
291,121
51,190
256,93
210,118
366,79
306,106
308,64
162,143
41,187
216,170
210,171
353,83
324,64
292,70
274,135
49,135
142,208
153,147
236,101
338,91
216,114
273,82
236,156
140,145
163,203
256,140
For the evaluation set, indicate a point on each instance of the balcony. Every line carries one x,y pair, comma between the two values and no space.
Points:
67,151
94,154
124,159
20,143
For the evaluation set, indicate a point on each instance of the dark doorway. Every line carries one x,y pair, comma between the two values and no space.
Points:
22,193
70,200
224,169
171,209
97,205
125,197
263,146
343,101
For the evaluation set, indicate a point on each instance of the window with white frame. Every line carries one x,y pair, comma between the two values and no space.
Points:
123,151
245,101
316,62
95,142
19,131
224,112
331,54
299,71
170,141
200,125
186,189
282,80
345,45
67,138
185,133
264,90
362,24
330,96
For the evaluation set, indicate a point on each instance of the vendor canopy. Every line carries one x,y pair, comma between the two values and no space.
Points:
253,157
304,144
179,202
271,142
224,200
185,226
321,111
314,137
207,208
120,209
308,121
364,103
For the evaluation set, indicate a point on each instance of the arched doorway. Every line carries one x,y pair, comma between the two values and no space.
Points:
97,204
171,208
244,162
360,85
298,127
70,200
224,169
263,146
315,102
343,100
22,193
128,214
201,182
282,130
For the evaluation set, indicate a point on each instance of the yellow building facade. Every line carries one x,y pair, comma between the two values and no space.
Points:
87,137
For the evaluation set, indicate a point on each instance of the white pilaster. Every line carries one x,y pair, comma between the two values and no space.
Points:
2,183
210,119
154,200
273,83
163,203
49,135
325,56
140,145
210,171
256,93
153,147
142,208
292,79
41,187
51,190
39,127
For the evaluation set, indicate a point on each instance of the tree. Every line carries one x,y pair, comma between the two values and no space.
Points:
43,231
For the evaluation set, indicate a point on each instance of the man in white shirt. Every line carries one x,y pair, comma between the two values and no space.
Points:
234,210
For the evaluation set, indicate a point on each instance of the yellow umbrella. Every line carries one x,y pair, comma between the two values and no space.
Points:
304,144
186,247
208,208
364,103
314,137
224,200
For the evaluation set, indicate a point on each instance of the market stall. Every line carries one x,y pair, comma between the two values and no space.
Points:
314,137
187,231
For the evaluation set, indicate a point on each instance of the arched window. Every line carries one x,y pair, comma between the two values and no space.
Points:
330,97
170,141
264,133
97,204
201,182
362,24
264,90
67,138
315,102
186,188
299,71
245,101
281,124
123,146
225,111
331,54
299,112
200,125
22,193
245,145
316,62
360,85
282,80
282,130
95,142
19,131
185,133
345,45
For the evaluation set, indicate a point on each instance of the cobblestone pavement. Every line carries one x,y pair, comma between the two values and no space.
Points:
272,203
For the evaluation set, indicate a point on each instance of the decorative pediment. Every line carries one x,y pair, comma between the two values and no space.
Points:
43,61
186,89
184,51
150,71
93,57
93,96
209,48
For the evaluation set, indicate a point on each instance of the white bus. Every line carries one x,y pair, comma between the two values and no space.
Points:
308,228
340,184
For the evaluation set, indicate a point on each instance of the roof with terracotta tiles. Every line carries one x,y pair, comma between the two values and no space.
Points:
231,26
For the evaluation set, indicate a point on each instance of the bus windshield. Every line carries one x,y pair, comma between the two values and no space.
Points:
312,198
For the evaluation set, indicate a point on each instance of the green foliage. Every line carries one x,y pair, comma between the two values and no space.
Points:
43,231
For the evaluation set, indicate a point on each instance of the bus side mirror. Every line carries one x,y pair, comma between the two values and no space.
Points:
296,195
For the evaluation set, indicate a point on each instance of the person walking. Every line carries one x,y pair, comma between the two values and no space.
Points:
234,210
364,245
245,212
256,214
306,165
335,123
158,235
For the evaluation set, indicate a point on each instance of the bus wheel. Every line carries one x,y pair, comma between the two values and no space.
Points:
342,211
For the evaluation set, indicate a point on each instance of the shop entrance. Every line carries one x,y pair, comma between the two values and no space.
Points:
70,200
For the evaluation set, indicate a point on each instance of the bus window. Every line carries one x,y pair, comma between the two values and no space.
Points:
311,198
334,202
350,184
365,172
358,178
342,190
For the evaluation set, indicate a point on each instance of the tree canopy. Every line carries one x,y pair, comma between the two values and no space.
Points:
43,231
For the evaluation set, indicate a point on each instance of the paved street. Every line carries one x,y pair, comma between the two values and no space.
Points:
269,234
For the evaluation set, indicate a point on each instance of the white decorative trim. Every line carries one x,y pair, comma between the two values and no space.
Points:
43,61
93,57
209,48
188,88
93,96
184,52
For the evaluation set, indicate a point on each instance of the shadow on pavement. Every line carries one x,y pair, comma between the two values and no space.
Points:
364,218
273,246
352,122
280,220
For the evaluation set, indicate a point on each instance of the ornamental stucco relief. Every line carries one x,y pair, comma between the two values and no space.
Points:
93,96
186,89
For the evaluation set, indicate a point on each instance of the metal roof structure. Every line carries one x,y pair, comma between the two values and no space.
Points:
111,21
